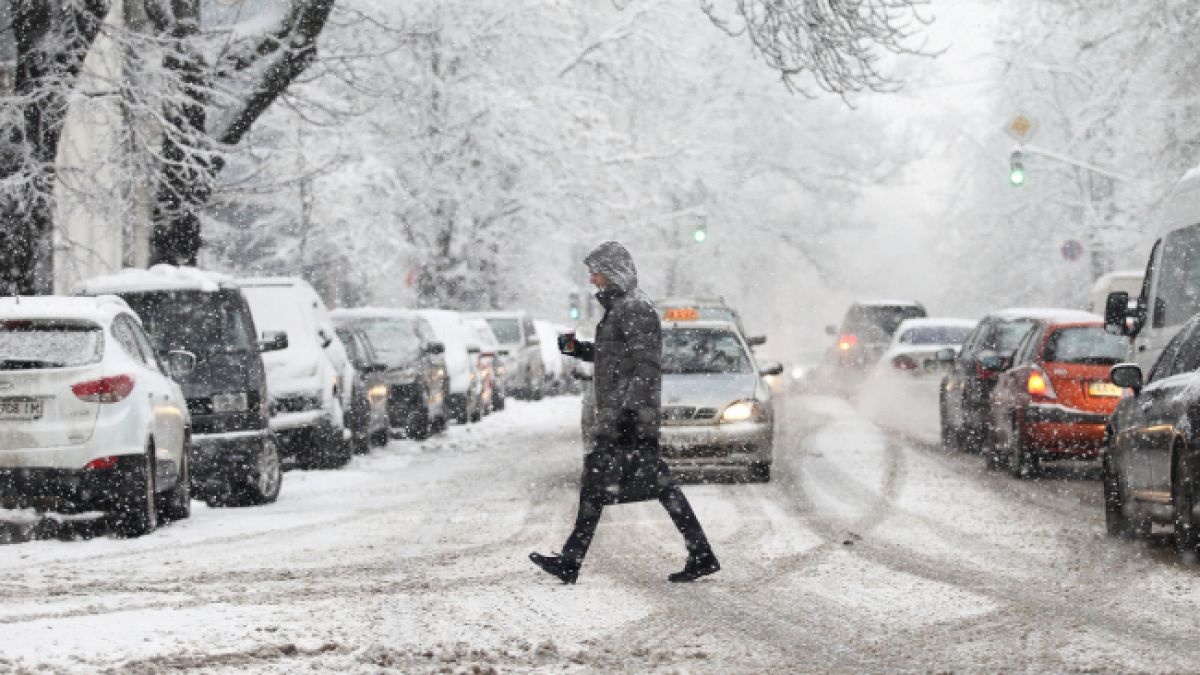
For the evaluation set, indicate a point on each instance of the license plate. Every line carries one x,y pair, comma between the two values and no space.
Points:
20,408
1104,390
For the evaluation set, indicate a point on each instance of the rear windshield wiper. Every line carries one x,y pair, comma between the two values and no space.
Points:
28,364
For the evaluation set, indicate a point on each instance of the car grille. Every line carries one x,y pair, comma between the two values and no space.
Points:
686,414
200,405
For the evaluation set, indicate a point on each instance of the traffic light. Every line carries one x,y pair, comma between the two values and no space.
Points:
700,234
573,309
1016,169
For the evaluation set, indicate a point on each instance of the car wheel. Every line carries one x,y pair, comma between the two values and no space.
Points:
1116,522
760,472
497,402
950,438
379,438
178,502
1183,496
136,513
418,426
459,409
261,484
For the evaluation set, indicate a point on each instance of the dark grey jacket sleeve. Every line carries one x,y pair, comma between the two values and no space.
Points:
584,351
643,336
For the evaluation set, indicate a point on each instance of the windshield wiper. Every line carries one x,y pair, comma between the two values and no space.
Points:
29,364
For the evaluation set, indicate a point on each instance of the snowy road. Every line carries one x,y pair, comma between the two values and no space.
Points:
867,552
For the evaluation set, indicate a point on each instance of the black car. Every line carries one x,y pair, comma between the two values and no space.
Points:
367,417
233,457
964,401
1150,460
418,385
865,333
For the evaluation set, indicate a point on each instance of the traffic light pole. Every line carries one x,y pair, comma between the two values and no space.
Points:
1040,152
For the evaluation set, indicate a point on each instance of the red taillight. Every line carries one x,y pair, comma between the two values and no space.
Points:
845,342
904,362
101,463
104,390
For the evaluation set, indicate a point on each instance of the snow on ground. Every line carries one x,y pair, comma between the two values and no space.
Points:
867,552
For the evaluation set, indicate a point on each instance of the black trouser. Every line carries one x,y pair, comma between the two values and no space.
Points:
591,505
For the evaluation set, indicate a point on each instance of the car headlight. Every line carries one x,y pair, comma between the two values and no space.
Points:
379,391
744,411
231,402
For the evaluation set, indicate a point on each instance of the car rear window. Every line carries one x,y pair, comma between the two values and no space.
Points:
196,321
395,340
935,335
1091,345
693,351
507,331
877,323
40,344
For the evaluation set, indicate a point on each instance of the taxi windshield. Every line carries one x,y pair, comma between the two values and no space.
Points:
694,351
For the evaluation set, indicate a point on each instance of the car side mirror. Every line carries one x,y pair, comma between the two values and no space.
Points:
772,368
180,363
435,348
273,341
831,330
1127,375
1116,310
756,340
945,355
324,338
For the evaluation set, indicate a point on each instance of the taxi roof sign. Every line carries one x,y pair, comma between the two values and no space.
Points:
681,314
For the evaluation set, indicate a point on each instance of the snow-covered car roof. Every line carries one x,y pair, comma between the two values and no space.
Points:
157,278
101,309
356,312
503,314
1046,314
909,302
936,321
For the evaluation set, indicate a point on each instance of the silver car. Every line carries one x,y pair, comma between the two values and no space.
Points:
717,412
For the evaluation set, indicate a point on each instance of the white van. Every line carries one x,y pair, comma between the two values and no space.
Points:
311,381
1170,292
1128,281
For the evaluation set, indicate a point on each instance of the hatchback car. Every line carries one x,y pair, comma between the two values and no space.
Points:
1151,462
1054,402
965,396
89,418
418,386
367,417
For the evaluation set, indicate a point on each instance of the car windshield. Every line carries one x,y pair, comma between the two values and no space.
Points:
935,335
1090,345
347,338
195,321
691,351
507,331
877,323
40,344
394,339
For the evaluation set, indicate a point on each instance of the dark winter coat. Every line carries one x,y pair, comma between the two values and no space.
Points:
628,382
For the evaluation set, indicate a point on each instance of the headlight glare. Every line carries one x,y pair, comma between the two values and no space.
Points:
744,411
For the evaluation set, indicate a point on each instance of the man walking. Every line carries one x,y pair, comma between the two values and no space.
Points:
625,465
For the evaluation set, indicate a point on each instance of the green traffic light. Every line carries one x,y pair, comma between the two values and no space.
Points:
574,313
700,234
1016,175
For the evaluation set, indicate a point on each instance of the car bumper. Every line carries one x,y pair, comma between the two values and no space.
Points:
62,490
224,454
1064,432
288,421
716,444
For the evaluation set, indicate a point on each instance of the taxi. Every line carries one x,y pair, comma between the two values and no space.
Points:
1055,400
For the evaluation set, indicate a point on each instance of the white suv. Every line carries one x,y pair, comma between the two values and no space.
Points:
310,382
89,418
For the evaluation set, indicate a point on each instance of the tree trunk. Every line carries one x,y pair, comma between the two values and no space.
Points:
53,39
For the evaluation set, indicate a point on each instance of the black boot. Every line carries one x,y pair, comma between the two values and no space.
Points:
557,565
697,566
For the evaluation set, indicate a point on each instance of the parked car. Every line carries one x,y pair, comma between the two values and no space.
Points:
717,412
90,420
557,366
233,458
462,351
1054,402
488,365
1170,290
416,371
310,379
520,349
864,335
368,414
965,397
1150,465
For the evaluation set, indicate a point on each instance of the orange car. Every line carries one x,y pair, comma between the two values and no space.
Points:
1054,400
